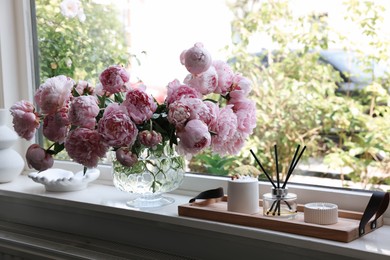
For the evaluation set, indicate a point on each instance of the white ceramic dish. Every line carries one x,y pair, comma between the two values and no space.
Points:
63,180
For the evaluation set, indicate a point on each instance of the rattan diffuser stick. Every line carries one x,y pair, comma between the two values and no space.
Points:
262,168
277,166
293,165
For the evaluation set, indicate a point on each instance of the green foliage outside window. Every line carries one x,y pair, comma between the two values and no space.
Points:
297,96
76,48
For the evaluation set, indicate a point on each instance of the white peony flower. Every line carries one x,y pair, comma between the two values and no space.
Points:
70,8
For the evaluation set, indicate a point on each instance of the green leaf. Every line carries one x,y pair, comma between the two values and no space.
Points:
58,147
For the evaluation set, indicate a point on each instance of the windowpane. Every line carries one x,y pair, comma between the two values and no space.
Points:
319,72
79,38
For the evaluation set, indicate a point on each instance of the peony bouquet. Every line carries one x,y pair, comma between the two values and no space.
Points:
210,109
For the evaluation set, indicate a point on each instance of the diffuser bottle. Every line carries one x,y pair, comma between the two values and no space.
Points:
280,203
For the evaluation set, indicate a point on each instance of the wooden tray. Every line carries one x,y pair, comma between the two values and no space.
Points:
345,230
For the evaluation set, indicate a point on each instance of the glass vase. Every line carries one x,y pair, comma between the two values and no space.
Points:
157,171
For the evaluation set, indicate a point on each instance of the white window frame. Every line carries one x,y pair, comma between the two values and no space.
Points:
16,72
16,82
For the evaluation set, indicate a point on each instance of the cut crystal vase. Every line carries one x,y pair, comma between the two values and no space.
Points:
157,171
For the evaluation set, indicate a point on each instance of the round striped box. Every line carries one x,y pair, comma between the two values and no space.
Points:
321,213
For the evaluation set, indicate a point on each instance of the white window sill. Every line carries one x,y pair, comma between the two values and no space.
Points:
100,212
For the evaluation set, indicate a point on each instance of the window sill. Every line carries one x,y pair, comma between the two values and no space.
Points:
99,212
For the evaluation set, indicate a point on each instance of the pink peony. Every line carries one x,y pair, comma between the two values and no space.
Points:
176,91
116,127
25,120
196,59
225,76
245,109
140,105
100,91
205,83
54,94
212,116
234,144
83,111
241,85
187,109
126,157
197,108
193,138
38,158
56,126
225,128
149,138
85,146
84,87
114,79
178,114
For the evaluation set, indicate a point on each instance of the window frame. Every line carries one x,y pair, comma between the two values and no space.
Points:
16,69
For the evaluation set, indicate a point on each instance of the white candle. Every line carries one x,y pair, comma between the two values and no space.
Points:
243,195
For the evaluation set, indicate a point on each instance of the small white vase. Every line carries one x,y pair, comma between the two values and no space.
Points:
11,163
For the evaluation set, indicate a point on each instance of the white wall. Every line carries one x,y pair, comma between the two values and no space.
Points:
15,57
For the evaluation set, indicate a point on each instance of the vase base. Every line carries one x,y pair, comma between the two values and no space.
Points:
147,202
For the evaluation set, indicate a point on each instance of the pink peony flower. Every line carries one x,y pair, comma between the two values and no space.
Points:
245,109
126,157
241,85
83,111
205,83
196,59
85,146
114,79
234,144
178,114
197,108
140,105
84,87
56,126
149,138
38,158
225,128
225,76
116,127
212,116
54,94
25,120
193,138
100,91
176,91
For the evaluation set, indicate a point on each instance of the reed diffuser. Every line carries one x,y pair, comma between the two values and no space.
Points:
280,203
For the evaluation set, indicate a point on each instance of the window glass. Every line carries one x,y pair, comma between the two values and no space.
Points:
319,72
